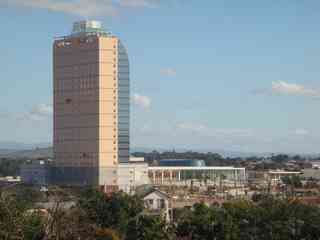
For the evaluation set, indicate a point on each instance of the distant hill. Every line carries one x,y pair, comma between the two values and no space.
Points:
31,154
224,153
44,150
15,146
6,151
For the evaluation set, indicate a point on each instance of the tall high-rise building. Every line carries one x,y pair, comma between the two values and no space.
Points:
91,105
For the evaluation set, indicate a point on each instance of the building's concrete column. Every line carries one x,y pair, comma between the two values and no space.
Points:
236,181
162,177
154,177
170,175
179,177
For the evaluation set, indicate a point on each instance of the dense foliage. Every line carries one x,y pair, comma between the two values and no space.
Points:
10,167
15,220
267,219
114,211
97,216
148,228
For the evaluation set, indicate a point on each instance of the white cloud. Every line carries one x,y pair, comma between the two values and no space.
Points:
282,87
76,7
42,109
301,132
85,8
138,3
38,113
204,130
142,101
145,128
5,115
192,127
169,72
236,132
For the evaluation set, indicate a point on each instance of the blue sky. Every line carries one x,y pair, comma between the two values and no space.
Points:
233,75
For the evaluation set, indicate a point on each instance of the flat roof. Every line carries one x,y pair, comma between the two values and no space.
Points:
283,172
192,168
84,29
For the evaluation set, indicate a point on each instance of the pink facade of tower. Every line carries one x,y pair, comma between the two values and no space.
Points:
91,105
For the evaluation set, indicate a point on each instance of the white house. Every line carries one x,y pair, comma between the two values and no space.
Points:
158,202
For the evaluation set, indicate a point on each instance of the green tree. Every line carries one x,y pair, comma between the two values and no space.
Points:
146,227
114,211
294,181
198,223
16,222
106,234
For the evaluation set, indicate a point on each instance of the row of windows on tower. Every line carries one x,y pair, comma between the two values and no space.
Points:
79,41
79,89
123,79
121,89
75,41
76,70
115,98
92,91
89,69
69,72
84,82
87,62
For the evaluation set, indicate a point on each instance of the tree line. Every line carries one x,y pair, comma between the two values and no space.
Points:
211,159
274,161
10,167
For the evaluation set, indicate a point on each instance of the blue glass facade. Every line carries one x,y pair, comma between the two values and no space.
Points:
182,163
123,104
